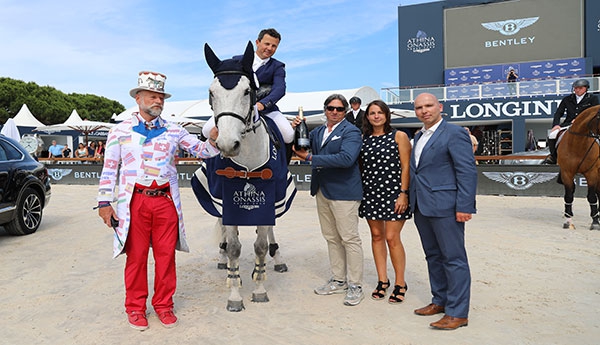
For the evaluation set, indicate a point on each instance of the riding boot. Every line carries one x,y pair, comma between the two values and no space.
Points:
551,158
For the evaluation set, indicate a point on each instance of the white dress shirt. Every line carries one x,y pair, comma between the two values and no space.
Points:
427,134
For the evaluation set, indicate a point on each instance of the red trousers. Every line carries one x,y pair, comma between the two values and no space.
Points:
154,222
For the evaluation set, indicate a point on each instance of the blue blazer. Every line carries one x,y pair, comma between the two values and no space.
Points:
445,182
335,163
272,73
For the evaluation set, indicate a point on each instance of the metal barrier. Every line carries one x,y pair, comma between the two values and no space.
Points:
561,86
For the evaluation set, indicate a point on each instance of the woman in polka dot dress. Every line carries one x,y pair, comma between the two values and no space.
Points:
384,158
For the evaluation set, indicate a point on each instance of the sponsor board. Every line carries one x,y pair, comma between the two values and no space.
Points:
520,180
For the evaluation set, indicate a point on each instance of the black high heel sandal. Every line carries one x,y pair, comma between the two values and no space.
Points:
397,296
378,294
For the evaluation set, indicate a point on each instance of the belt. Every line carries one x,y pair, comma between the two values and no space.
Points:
152,191
230,172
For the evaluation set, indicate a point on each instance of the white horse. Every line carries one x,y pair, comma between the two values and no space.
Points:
244,138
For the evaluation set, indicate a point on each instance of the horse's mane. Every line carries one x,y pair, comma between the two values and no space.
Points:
583,119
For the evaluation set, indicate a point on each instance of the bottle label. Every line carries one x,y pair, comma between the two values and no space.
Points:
303,142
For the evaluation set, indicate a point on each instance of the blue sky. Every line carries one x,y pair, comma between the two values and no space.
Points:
98,47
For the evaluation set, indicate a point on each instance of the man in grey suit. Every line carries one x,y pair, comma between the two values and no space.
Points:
443,184
337,186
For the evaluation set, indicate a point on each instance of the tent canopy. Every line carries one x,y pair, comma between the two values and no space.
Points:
9,129
311,102
75,123
25,118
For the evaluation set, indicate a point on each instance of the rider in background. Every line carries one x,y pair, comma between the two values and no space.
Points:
269,75
573,104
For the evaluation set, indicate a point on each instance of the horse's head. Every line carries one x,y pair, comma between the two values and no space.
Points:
587,123
232,96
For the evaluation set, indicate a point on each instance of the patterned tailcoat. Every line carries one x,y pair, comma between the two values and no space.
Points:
130,156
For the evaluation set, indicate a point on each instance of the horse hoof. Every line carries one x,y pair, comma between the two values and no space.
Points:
221,266
260,297
280,268
567,225
595,226
235,306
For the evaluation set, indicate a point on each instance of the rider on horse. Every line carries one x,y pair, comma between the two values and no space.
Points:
573,104
269,74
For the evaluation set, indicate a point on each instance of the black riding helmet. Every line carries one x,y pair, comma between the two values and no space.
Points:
581,82
355,100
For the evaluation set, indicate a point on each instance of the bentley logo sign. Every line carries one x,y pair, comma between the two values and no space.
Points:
57,174
520,180
510,26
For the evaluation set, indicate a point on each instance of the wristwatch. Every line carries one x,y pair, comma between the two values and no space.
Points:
405,191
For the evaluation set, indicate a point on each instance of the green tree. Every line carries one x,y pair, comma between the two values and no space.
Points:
50,105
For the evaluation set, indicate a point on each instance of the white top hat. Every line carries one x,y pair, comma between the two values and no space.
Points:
150,81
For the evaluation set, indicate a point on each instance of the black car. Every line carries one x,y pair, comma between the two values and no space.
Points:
24,189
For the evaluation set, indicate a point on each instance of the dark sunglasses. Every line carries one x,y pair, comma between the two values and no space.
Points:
339,109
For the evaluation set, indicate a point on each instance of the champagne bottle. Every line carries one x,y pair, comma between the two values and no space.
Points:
301,141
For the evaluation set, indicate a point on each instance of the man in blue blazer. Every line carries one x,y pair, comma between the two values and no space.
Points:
337,186
270,77
443,185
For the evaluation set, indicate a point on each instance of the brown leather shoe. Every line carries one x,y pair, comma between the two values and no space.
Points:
430,309
449,323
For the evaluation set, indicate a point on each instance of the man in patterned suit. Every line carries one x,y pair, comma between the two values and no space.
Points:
140,152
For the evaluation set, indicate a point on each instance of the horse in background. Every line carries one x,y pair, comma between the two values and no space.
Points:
579,152
249,184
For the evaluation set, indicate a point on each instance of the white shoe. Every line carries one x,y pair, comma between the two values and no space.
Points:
332,287
354,295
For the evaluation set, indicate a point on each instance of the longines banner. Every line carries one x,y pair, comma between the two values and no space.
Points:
533,30
520,180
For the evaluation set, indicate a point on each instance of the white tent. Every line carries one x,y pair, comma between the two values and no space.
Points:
75,123
25,118
177,109
9,129
73,118
312,102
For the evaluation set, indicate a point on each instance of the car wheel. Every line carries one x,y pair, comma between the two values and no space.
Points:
29,214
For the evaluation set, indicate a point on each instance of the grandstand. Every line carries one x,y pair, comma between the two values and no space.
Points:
462,51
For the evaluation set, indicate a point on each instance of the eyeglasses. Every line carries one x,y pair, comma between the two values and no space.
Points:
339,109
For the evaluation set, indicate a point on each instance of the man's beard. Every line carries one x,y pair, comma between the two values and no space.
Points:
154,110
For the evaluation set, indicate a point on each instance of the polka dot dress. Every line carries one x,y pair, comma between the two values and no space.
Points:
380,178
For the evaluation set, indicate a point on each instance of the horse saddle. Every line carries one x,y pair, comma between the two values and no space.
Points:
560,135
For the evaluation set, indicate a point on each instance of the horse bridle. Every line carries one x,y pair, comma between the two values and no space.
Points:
247,119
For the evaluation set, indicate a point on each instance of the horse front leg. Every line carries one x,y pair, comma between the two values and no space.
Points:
259,274
234,282
568,199
280,265
220,230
